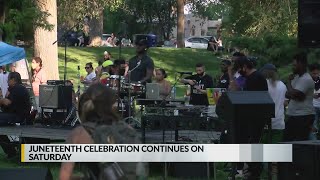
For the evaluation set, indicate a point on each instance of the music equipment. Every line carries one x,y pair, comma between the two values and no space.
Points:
152,91
190,73
158,101
308,23
191,170
246,113
25,174
306,162
55,82
53,96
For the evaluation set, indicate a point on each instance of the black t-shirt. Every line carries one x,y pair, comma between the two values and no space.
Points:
20,101
140,72
204,83
256,82
224,81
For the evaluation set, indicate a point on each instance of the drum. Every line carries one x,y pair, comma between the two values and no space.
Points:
113,82
137,88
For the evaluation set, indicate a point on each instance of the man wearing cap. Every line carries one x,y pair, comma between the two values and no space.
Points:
141,66
224,78
277,90
104,75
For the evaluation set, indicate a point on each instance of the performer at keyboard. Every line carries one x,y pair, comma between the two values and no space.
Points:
199,83
141,65
164,85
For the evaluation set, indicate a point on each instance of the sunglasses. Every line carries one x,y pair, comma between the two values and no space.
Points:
87,67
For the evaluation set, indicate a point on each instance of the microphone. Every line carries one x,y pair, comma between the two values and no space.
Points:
185,73
138,64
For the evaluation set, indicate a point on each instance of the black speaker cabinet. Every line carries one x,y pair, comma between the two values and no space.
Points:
55,96
309,23
245,113
306,162
191,170
25,174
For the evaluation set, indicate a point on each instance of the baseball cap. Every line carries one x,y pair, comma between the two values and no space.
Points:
105,53
142,42
268,67
107,63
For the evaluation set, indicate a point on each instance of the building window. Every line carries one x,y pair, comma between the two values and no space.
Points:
203,32
193,31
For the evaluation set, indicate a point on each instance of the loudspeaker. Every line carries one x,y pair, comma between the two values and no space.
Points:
245,114
55,96
306,162
309,23
26,174
191,170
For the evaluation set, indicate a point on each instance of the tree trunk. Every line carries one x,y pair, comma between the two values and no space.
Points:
180,24
2,11
43,40
96,29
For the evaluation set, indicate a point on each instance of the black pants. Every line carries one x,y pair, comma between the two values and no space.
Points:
298,128
7,119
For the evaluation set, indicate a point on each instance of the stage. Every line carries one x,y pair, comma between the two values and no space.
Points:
60,133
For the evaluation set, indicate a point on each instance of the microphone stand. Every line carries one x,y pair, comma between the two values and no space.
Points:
172,87
129,93
65,39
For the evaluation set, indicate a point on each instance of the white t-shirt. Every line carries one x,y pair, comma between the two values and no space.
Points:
278,93
90,77
4,83
316,101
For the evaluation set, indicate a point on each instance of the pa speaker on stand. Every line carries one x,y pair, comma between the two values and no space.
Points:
309,24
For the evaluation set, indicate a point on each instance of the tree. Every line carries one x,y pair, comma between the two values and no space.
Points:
180,23
44,38
72,12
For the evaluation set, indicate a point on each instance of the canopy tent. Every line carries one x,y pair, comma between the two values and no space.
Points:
10,54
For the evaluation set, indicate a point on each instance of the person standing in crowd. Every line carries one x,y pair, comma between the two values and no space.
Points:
165,86
91,75
300,109
199,83
118,67
38,77
107,55
224,78
100,120
141,65
3,81
16,109
236,80
277,90
254,82
314,70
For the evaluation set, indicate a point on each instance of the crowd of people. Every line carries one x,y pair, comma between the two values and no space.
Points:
298,101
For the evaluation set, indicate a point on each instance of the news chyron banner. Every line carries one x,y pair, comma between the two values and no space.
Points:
156,153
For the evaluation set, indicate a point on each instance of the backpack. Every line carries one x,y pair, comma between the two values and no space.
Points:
117,133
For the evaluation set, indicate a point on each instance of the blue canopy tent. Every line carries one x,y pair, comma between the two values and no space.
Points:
10,54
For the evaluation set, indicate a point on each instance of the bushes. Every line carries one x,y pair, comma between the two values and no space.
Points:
269,49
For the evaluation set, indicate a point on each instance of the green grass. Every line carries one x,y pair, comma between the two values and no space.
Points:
171,59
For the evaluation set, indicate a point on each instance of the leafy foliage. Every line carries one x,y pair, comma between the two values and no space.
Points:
22,17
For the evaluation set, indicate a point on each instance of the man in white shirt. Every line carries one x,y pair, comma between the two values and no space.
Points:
300,109
277,90
314,70
91,76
